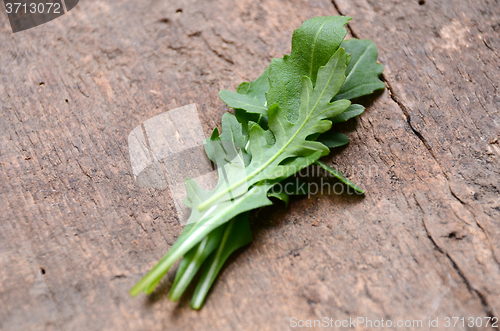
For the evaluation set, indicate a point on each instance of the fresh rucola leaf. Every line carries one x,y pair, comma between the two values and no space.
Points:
362,79
232,135
269,164
363,71
279,128
313,44
291,137
256,89
243,101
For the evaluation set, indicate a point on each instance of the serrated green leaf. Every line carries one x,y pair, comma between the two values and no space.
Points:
268,140
290,153
232,133
363,71
242,101
363,75
291,137
256,89
313,44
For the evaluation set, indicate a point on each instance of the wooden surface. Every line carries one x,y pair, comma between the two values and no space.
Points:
76,232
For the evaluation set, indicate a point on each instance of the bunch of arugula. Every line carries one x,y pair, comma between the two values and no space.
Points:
281,125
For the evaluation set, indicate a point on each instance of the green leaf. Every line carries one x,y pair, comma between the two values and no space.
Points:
291,152
252,95
277,119
337,174
313,44
333,139
256,89
237,233
363,71
353,111
230,145
291,137
242,101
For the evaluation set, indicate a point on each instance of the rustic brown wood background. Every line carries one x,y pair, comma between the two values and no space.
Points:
76,232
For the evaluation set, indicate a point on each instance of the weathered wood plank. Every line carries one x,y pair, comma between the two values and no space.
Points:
422,243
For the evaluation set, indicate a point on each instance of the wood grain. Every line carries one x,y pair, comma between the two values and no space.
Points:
76,232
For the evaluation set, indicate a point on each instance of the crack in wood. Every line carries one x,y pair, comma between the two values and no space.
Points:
470,288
